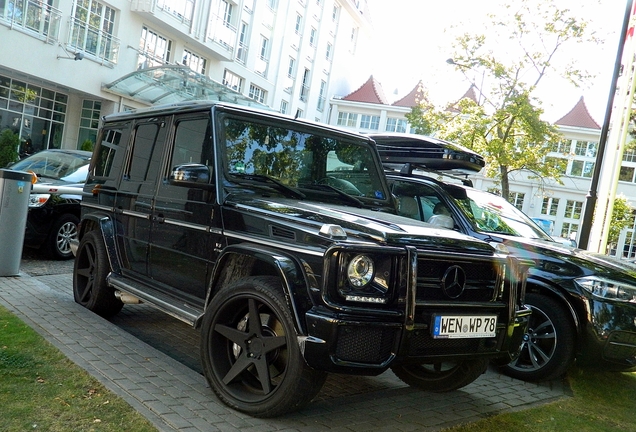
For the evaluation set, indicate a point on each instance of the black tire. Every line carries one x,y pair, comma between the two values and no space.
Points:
63,230
548,347
90,288
441,377
258,370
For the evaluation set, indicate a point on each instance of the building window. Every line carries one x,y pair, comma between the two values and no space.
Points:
194,61
232,81
369,122
587,149
626,174
516,199
563,147
257,93
347,119
304,89
154,49
321,96
89,121
241,52
560,164
291,68
582,169
299,113
284,106
328,52
573,209
312,37
92,28
227,10
34,113
550,206
299,24
569,230
334,13
395,125
264,48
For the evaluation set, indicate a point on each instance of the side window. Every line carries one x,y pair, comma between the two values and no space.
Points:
105,154
145,137
192,142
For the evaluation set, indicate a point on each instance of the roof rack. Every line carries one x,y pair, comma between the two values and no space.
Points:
408,168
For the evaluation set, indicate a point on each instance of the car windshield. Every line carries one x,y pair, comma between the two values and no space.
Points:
493,214
53,165
302,165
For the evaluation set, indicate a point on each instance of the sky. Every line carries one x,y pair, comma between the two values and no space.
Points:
413,41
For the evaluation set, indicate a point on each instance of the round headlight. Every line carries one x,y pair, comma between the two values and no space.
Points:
360,270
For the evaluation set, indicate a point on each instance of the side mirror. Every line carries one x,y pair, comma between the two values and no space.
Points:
192,175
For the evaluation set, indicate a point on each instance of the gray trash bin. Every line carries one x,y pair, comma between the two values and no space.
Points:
15,187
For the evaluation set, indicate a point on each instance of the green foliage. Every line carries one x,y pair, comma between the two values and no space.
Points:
622,217
87,145
506,126
9,143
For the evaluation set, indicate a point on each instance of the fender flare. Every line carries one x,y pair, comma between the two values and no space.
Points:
295,281
106,226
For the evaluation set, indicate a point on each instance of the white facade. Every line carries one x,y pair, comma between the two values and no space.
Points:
57,56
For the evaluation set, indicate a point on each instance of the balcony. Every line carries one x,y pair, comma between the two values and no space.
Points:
223,37
93,42
241,53
33,18
304,93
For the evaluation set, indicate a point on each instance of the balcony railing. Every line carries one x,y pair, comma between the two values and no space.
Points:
222,33
304,93
37,19
93,41
241,53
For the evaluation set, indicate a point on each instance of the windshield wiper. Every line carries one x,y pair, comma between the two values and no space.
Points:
288,191
341,194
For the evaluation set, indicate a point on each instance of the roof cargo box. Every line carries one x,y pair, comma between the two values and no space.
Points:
426,152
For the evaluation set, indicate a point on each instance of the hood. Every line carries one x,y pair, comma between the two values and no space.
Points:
563,261
365,225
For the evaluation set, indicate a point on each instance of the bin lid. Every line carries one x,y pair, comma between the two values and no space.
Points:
15,175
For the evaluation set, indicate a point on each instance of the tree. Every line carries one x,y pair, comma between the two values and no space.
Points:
504,124
622,217
9,143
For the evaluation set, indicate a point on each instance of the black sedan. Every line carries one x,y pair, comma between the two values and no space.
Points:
584,304
54,204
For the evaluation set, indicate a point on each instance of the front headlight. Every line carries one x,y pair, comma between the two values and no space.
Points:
364,278
607,288
38,200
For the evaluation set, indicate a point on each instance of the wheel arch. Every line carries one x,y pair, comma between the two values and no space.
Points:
106,226
539,287
239,261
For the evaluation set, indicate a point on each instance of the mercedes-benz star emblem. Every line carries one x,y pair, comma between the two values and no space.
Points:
454,281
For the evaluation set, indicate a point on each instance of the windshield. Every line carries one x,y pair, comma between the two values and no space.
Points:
493,214
301,164
56,165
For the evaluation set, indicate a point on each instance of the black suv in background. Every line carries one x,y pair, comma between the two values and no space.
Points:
279,239
583,304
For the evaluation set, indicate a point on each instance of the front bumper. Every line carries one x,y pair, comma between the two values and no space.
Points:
367,347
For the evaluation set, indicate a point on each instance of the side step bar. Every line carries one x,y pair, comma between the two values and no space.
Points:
175,308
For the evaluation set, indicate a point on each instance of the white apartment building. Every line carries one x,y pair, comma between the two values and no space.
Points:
66,63
558,208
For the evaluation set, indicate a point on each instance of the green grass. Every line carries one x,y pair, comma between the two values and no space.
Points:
602,402
40,389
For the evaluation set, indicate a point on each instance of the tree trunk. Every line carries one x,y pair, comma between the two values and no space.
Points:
505,185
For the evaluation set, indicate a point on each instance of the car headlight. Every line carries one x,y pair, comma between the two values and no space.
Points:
364,278
38,200
607,288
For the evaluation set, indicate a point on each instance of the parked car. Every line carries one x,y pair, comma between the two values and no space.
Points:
54,204
278,239
583,304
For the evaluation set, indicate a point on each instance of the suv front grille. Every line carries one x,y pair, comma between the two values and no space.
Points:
481,281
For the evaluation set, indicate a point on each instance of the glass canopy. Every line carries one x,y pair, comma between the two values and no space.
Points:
170,84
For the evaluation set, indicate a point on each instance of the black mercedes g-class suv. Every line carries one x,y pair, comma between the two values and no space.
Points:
280,240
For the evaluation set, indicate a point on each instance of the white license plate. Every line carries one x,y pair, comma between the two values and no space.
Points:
464,326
